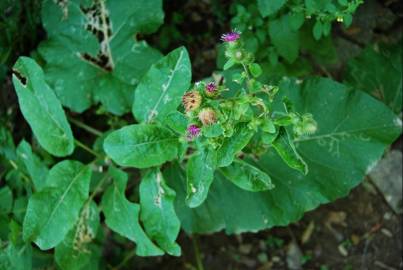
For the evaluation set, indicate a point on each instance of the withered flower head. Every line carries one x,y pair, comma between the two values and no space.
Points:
191,100
207,116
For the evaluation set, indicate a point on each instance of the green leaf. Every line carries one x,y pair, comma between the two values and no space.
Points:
255,70
15,255
287,151
158,213
284,38
122,216
317,30
53,211
269,7
77,252
353,132
379,73
200,174
296,20
7,147
176,121
41,108
247,177
160,91
92,54
6,200
230,63
233,145
36,168
141,146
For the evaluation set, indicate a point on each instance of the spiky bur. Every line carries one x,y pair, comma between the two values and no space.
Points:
191,100
207,116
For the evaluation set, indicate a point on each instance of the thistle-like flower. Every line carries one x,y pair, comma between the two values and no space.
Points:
231,36
191,100
211,89
193,131
207,116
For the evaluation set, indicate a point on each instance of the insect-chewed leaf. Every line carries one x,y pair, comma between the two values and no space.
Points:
160,91
92,54
122,216
141,146
41,108
52,212
77,251
158,213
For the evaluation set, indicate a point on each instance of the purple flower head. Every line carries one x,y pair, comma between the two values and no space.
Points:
231,36
211,87
193,131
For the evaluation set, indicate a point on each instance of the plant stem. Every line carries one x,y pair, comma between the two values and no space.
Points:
130,255
86,148
98,187
86,127
199,261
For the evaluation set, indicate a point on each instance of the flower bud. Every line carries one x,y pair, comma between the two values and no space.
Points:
193,131
207,116
191,100
211,90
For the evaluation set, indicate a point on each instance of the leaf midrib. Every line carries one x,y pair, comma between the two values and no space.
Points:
64,195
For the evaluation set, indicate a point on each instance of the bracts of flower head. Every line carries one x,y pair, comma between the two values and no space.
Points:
191,100
193,131
207,116
211,90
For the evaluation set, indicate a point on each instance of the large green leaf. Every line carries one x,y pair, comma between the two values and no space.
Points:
353,131
52,212
141,146
36,168
92,54
379,73
160,91
158,213
77,251
284,38
41,108
122,216
200,175
269,7
247,176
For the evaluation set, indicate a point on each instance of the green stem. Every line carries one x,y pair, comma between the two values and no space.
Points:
199,261
80,124
86,148
130,255
98,187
